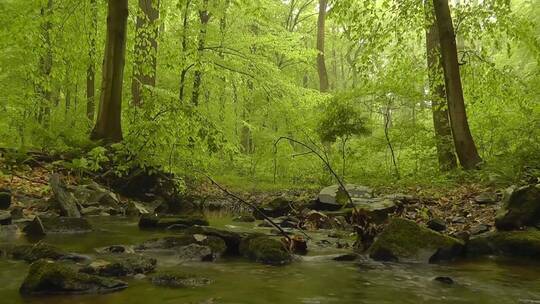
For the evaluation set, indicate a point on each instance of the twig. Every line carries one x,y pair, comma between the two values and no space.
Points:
248,204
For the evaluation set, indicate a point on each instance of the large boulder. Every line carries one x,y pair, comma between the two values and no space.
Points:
67,203
41,226
47,277
506,243
163,222
277,207
521,207
231,239
120,265
265,249
38,251
334,198
93,194
405,240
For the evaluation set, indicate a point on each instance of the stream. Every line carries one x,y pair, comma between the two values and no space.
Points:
313,280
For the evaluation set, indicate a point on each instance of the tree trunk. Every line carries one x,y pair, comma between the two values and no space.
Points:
197,77
91,69
108,125
441,122
185,68
45,65
463,140
145,53
321,66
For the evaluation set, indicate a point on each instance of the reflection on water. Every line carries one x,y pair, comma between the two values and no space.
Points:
313,282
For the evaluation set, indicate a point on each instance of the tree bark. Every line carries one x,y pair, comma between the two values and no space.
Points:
466,149
91,69
45,65
108,125
185,68
321,66
145,53
197,77
441,121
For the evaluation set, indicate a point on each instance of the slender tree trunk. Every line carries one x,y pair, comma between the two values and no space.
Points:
441,121
463,140
185,68
197,77
147,30
45,65
91,69
321,66
108,125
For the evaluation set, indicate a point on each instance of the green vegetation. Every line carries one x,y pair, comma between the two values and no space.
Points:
204,85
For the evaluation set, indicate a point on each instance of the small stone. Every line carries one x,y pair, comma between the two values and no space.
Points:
459,220
5,200
346,257
139,276
486,198
437,225
444,280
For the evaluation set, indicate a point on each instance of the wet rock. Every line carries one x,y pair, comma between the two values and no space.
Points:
175,243
486,198
197,253
277,207
287,222
67,203
506,243
5,199
404,240
265,249
346,257
41,226
178,280
459,220
47,277
31,253
479,229
17,212
136,209
116,249
163,222
231,239
436,225
521,207
333,198
120,265
244,218
89,211
5,218
93,194
444,280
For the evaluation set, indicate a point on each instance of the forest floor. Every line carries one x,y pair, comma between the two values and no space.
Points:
458,207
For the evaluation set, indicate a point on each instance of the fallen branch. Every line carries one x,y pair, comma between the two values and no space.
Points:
252,206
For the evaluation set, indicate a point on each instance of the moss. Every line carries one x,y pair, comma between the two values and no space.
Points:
46,277
31,253
511,243
121,265
178,280
265,249
404,239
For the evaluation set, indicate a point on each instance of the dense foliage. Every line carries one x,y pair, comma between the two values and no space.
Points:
251,68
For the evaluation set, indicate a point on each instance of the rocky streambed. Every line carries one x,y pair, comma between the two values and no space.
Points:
334,251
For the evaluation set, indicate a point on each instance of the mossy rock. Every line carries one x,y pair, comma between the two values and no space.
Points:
41,226
178,280
231,239
506,243
215,243
164,222
120,265
47,277
265,249
31,253
521,207
277,207
405,240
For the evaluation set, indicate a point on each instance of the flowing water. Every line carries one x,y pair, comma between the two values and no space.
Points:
310,281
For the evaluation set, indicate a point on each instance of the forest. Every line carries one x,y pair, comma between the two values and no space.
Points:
263,151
